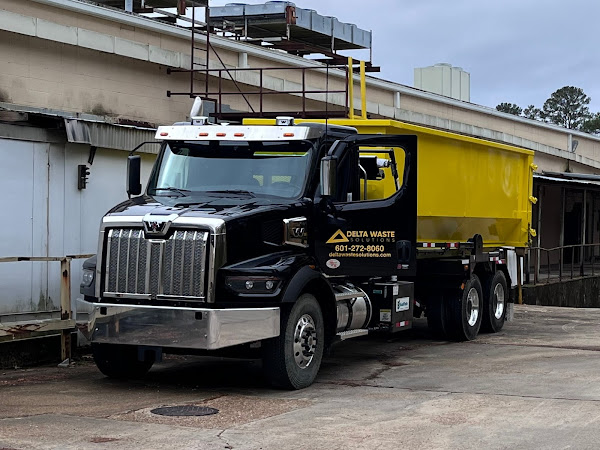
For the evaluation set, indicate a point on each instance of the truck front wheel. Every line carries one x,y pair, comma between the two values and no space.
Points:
120,361
465,310
292,360
495,299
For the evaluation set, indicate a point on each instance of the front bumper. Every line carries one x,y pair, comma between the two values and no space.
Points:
193,328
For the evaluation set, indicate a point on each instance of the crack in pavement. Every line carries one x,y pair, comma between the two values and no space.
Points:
221,438
361,383
557,347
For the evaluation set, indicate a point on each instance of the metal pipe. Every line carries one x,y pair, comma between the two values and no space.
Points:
560,263
350,88
365,182
561,238
536,272
65,307
572,259
192,51
208,46
363,90
583,234
261,90
303,92
540,194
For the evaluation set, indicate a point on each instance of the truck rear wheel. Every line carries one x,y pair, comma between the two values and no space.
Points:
465,310
495,299
120,361
436,315
292,360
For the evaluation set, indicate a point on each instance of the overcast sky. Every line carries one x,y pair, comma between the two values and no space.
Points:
517,51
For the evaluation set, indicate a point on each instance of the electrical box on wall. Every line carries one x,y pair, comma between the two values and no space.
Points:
83,172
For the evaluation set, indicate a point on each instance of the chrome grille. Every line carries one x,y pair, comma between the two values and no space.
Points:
155,268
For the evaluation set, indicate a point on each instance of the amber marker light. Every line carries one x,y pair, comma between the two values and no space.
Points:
221,134
239,134
203,134
164,133
288,134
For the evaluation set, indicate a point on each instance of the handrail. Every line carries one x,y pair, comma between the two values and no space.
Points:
229,74
580,263
65,324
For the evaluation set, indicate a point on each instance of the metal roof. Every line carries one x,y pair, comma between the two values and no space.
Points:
554,177
285,19
106,135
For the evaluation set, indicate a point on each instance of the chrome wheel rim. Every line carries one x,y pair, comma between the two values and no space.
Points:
472,306
499,301
305,341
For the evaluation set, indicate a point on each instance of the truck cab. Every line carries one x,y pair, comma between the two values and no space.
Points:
233,244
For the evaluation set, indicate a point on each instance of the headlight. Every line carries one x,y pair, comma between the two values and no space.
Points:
253,285
87,278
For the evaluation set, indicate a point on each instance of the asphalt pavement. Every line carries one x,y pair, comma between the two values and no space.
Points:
536,384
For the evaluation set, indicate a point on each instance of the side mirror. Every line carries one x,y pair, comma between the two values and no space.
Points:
328,176
134,171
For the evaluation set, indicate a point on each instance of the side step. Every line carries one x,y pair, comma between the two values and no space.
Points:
343,335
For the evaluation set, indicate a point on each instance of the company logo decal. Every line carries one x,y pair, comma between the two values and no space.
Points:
402,304
362,244
338,237
156,226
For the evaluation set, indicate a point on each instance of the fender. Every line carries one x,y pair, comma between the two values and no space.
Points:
301,279
313,281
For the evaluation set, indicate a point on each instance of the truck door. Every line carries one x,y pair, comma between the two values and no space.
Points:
368,226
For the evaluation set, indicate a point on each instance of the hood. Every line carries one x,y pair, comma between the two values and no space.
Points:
225,208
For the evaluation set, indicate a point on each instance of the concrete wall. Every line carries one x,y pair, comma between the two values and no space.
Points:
580,293
48,216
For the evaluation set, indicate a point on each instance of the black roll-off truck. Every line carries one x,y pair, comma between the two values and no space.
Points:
278,240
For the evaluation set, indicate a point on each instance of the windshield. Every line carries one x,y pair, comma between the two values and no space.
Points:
278,169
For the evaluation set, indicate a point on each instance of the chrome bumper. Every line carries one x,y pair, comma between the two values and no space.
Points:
194,328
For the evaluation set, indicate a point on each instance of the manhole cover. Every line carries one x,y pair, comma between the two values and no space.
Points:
188,410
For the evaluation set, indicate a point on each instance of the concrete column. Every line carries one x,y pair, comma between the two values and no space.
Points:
243,60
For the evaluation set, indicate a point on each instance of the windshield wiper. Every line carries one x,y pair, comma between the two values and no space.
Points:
181,192
233,191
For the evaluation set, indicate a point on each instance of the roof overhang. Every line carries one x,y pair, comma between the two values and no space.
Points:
106,135
568,179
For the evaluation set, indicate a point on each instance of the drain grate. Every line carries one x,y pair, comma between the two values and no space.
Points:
187,410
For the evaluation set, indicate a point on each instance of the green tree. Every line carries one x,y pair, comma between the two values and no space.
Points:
592,125
531,112
510,108
567,107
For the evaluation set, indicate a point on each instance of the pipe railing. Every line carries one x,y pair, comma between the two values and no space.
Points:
571,261
65,324
304,92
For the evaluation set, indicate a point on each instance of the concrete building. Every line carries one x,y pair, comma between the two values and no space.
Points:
82,84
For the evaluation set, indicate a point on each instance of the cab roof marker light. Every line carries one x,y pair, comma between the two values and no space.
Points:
238,134
288,134
164,133
221,134
203,134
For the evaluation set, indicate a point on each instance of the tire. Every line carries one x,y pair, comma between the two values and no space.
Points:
495,300
120,361
464,309
287,362
437,320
